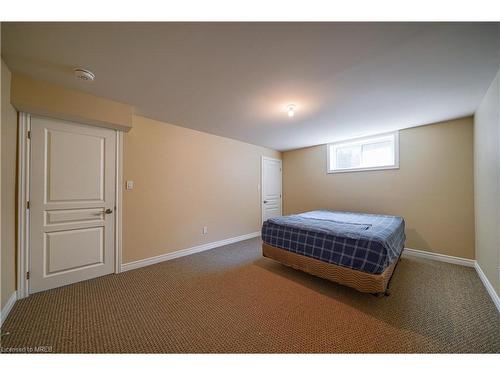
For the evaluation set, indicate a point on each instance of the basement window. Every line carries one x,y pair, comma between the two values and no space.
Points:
364,154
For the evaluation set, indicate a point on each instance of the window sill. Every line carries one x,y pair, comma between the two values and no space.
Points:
362,169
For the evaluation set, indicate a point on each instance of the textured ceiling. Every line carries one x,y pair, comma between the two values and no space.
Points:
234,79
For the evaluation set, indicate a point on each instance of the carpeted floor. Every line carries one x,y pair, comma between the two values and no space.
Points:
232,300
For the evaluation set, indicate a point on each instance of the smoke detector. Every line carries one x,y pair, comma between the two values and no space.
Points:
84,74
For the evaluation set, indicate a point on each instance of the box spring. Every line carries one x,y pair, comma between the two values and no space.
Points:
359,280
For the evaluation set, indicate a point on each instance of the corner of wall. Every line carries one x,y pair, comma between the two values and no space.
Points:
8,189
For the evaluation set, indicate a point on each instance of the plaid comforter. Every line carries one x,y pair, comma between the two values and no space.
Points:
364,242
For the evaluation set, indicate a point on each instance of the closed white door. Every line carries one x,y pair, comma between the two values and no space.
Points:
72,203
271,188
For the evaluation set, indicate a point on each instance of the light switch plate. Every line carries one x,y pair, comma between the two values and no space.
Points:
130,185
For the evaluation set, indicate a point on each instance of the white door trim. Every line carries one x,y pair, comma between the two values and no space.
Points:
262,184
119,201
23,194
24,125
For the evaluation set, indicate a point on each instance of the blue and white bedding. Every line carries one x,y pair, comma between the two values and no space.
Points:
365,242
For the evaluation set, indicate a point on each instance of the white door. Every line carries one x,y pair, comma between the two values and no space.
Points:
72,203
271,188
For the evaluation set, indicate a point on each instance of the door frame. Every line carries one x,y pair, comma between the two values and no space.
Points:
23,212
263,158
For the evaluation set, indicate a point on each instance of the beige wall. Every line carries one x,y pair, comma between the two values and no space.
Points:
8,224
432,189
487,183
46,99
185,179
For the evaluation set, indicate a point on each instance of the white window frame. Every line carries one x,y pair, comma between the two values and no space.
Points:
363,140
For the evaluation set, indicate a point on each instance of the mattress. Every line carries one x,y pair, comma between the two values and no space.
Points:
364,242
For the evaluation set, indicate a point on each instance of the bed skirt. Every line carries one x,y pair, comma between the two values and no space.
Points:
359,280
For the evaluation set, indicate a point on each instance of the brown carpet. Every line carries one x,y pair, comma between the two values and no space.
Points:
233,300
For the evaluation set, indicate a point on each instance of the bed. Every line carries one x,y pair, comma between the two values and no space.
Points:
358,250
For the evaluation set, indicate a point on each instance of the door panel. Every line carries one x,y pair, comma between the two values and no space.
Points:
72,185
72,250
271,188
55,217
65,152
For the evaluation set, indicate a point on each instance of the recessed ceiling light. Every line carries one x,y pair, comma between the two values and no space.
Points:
84,74
290,108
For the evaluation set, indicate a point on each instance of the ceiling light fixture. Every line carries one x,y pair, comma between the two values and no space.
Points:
290,108
84,74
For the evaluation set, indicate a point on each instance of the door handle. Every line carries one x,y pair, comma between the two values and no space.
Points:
108,211
265,202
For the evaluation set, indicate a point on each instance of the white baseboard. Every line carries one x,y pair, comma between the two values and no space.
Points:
439,257
8,306
491,291
181,253
460,261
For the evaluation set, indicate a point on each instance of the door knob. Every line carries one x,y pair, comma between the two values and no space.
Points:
108,211
265,202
